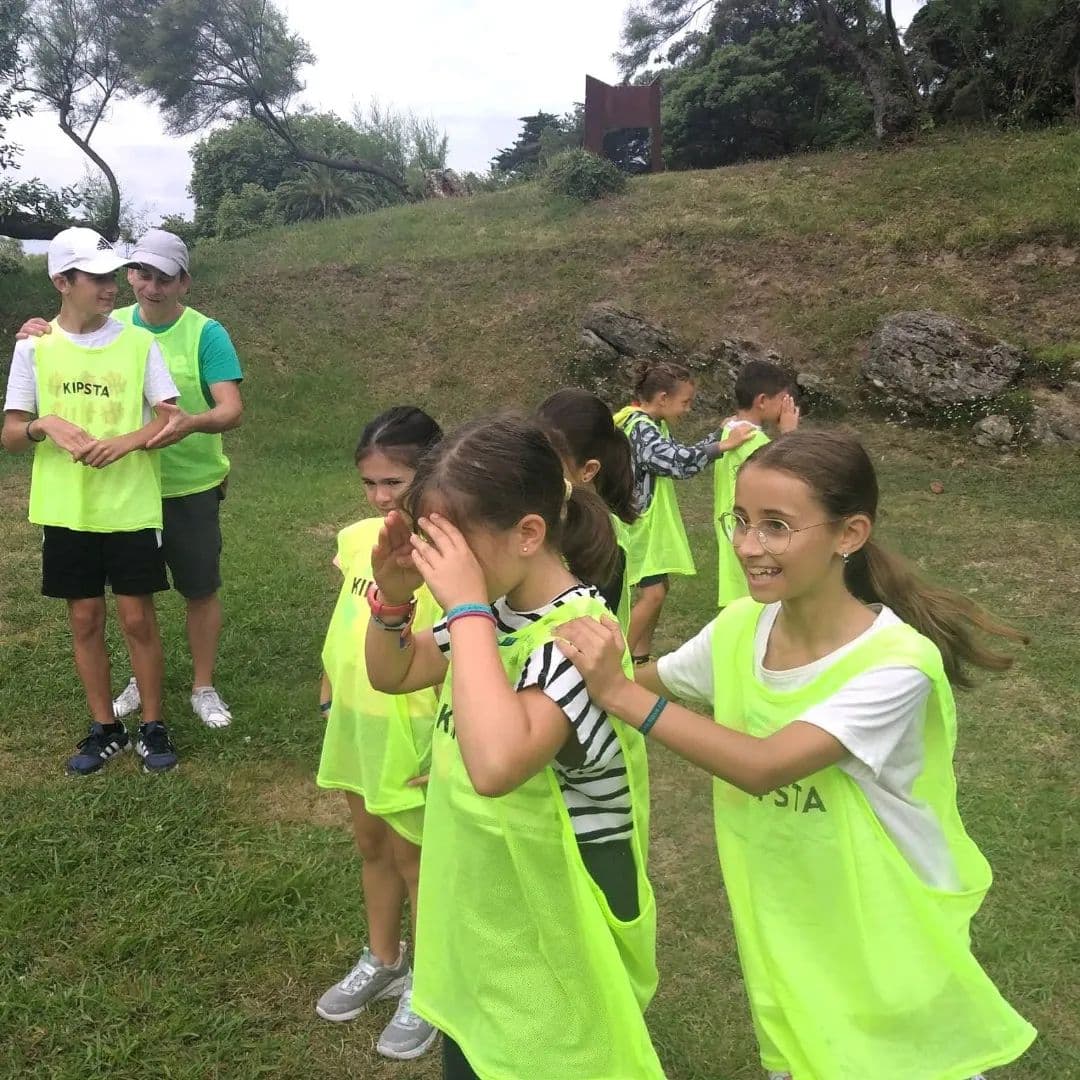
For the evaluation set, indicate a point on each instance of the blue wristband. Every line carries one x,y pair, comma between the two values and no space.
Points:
654,715
324,707
469,609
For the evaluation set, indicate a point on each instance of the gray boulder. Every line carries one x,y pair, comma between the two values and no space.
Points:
631,334
921,362
995,432
1056,416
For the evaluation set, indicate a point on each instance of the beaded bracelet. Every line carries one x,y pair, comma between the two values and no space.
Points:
464,611
654,715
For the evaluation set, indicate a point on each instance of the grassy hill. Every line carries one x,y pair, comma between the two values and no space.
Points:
184,926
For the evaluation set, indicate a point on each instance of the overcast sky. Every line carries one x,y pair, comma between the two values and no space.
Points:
475,66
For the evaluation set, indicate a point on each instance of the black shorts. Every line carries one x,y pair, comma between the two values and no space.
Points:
78,565
192,538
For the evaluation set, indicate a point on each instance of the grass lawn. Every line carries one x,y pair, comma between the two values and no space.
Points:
183,926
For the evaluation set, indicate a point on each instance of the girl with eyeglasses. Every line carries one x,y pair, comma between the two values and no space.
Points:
851,879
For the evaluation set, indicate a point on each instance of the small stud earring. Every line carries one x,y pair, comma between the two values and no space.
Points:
846,556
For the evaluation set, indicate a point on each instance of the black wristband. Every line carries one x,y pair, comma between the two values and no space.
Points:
31,437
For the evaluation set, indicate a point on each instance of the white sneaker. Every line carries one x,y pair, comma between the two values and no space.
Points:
779,1076
207,705
127,701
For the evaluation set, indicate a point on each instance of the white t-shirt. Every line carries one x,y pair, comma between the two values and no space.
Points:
878,716
158,385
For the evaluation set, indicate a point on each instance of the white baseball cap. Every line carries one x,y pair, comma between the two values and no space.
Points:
162,250
83,249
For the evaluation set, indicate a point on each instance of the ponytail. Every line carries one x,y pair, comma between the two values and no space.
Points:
841,476
581,428
949,619
652,377
587,538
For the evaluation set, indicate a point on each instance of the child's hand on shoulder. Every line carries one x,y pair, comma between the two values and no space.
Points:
449,568
596,649
392,560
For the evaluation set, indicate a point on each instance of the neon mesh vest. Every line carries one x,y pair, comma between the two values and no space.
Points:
374,743
101,390
731,579
854,967
656,542
519,958
622,612
198,462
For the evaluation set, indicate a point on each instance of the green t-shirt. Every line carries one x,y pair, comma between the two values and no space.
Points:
218,359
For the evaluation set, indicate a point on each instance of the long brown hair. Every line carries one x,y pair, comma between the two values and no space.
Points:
841,475
495,471
585,425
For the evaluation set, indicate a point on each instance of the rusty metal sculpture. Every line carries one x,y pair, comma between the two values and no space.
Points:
609,108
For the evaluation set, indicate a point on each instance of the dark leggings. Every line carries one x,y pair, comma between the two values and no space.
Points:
612,867
454,1065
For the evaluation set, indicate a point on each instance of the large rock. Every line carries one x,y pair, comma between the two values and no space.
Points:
443,184
631,334
923,363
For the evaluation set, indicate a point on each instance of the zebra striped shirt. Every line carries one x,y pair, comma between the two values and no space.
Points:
596,791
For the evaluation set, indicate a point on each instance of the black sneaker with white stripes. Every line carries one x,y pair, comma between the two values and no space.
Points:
103,743
156,748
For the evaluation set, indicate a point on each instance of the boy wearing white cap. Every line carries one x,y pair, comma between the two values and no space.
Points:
89,398
203,362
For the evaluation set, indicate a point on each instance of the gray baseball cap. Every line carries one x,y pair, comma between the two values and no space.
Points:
164,251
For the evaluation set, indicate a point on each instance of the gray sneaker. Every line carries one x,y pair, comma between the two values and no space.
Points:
407,1036
367,982
127,701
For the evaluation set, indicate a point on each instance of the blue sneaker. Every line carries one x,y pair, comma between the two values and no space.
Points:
155,748
98,748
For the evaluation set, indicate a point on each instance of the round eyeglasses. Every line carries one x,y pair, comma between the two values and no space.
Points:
773,534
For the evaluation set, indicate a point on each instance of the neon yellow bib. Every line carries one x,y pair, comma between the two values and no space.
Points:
519,957
656,542
731,579
622,613
197,463
101,390
374,743
854,967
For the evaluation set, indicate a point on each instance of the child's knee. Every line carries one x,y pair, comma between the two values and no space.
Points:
87,619
137,619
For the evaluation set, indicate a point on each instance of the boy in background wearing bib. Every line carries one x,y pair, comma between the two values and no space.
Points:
762,396
851,879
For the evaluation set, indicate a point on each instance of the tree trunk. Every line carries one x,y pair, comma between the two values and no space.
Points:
110,227
902,64
350,165
892,114
21,226
1076,90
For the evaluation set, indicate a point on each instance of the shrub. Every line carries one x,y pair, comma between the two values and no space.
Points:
580,174
12,259
247,211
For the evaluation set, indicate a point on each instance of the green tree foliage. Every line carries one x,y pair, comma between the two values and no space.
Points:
246,152
841,41
987,60
12,259
209,60
76,66
182,227
522,159
761,84
11,28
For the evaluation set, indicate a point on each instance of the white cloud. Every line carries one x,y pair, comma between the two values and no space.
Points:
473,65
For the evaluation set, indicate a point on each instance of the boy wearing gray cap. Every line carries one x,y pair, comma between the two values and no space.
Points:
203,362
